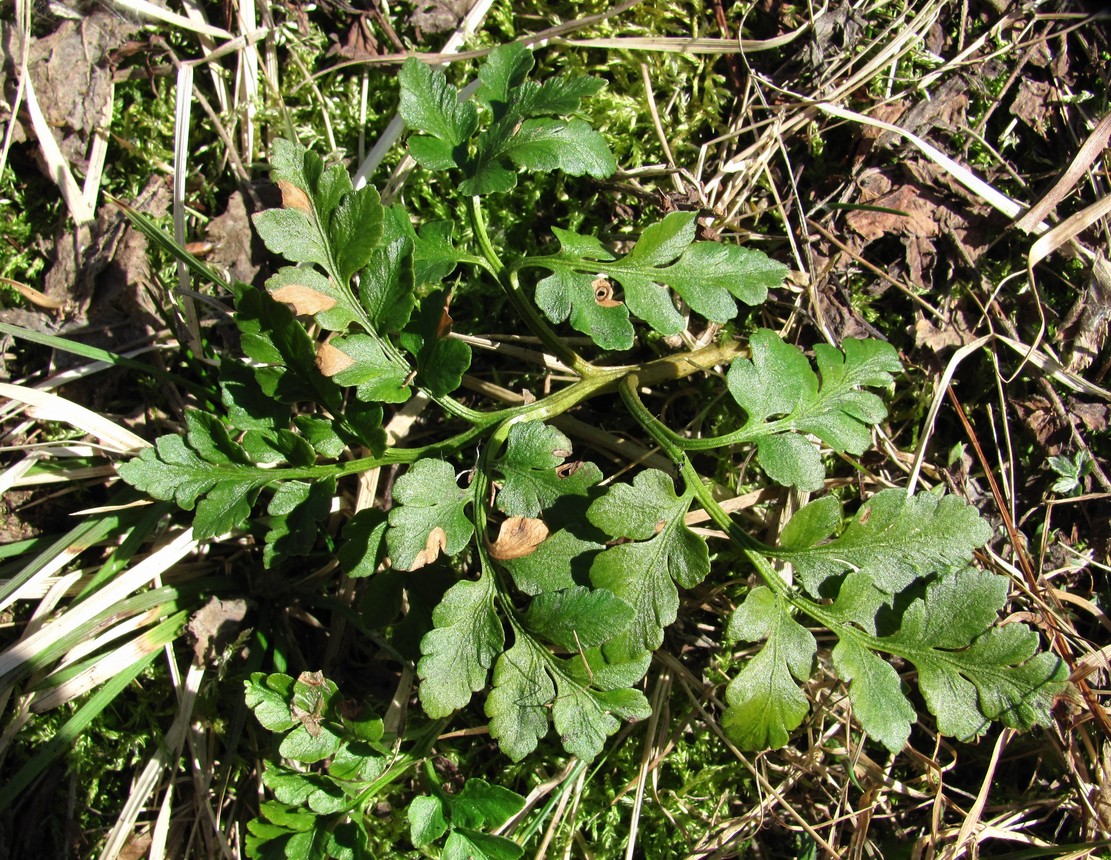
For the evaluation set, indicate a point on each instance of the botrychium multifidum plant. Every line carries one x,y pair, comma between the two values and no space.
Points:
562,588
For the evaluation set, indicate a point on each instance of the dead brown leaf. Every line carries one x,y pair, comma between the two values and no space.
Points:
912,213
72,71
1032,104
233,240
1086,323
358,44
214,626
438,16
939,339
518,537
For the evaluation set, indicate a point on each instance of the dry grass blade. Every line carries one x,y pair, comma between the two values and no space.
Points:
50,407
156,564
1088,153
160,768
146,9
79,208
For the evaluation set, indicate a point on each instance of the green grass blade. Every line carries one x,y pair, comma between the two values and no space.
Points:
68,733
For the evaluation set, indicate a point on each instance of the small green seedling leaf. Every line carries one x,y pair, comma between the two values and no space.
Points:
783,396
426,820
664,552
765,703
465,844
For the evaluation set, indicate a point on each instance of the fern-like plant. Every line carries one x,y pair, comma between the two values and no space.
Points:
564,586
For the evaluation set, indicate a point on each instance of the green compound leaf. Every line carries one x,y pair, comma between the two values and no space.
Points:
584,717
577,617
558,563
531,464
503,72
205,469
429,516
782,395
523,131
272,337
292,234
434,256
431,106
386,286
324,220
566,293
540,145
354,230
969,672
765,703
555,96
441,360
527,678
295,512
363,544
664,552
464,844
708,276
460,649
517,704
359,360
310,293
876,693
892,539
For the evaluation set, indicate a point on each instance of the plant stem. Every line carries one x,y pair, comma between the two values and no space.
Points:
512,286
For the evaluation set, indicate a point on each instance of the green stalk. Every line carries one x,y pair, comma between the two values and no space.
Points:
512,286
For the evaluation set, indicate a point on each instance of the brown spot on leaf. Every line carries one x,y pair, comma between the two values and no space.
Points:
311,719
433,545
568,469
293,197
331,360
518,537
443,329
603,293
305,301
660,526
